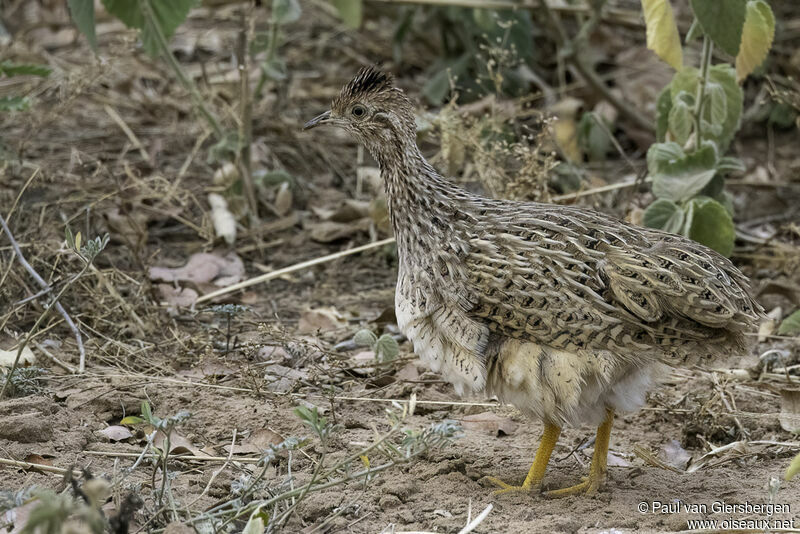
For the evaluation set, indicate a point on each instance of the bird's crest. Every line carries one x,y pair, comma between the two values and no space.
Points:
368,80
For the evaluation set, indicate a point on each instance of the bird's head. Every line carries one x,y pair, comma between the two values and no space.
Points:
371,108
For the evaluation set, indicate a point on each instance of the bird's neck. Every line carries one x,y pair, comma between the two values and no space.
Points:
423,206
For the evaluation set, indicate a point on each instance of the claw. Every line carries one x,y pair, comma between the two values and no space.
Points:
589,486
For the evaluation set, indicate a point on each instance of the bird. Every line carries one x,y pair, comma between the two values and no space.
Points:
568,314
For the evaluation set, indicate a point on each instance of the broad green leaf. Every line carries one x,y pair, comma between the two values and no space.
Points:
662,32
286,11
365,338
680,122
387,347
82,12
663,107
711,225
13,103
791,325
350,11
757,36
592,137
730,164
131,420
665,215
725,76
793,469
722,21
437,87
684,80
717,103
680,178
12,69
168,15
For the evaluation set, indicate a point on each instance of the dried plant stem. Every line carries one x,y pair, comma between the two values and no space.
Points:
40,467
185,81
571,52
44,285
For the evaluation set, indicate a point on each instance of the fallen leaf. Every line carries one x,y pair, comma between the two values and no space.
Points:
38,459
177,443
7,357
489,422
202,268
116,433
181,296
790,410
320,320
767,326
409,372
256,443
675,455
283,199
327,231
222,218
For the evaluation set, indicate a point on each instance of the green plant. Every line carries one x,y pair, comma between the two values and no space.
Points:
9,70
698,114
384,347
483,50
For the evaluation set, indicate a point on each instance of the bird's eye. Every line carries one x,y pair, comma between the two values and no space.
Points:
359,111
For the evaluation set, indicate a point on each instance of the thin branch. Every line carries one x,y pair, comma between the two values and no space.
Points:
44,285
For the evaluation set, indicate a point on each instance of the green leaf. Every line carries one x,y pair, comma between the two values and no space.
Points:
663,107
757,36
437,87
365,338
717,103
662,32
725,76
793,469
132,420
791,325
82,12
13,103
680,122
11,69
387,348
168,15
665,215
722,21
678,176
592,137
730,164
711,225
350,11
286,11
275,69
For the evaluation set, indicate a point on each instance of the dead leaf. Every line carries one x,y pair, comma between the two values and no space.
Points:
256,443
203,268
790,410
409,372
181,296
615,460
675,455
38,459
320,320
116,433
489,422
7,357
283,199
327,231
222,218
768,325
177,443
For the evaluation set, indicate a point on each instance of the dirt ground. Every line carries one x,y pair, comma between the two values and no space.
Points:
242,381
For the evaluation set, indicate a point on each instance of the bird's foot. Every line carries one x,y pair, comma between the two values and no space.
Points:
526,487
589,486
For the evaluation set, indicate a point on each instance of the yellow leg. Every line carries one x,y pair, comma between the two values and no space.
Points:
536,472
597,471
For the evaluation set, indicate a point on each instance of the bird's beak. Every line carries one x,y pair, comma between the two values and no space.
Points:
316,121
